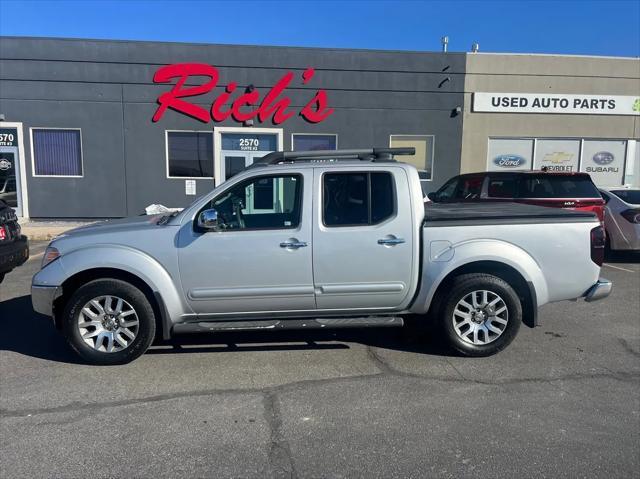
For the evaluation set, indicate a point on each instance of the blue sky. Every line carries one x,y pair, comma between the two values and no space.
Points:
571,27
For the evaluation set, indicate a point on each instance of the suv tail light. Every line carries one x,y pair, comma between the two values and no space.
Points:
597,245
3,233
632,215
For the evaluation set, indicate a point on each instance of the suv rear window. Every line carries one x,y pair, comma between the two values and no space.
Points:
558,186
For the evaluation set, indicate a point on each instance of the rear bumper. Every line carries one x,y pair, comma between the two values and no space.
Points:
14,254
600,290
42,298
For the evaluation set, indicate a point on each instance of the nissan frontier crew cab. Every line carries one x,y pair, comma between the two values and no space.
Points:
323,239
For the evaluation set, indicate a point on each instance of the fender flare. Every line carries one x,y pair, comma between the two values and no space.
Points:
132,261
473,251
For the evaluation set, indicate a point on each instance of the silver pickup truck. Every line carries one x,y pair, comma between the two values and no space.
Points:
326,239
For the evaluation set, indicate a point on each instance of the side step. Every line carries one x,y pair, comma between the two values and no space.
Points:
281,324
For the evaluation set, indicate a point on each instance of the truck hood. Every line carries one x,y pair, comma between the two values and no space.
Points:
117,225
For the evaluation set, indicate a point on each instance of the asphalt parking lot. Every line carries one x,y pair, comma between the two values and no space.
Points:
563,400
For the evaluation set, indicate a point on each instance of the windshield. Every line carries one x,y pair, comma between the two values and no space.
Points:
629,196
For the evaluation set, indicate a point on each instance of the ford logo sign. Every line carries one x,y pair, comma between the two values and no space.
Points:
603,158
509,161
4,164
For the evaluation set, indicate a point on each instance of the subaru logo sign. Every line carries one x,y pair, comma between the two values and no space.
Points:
603,158
509,161
4,164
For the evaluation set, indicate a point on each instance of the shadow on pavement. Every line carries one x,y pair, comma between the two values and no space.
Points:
26,332
400,339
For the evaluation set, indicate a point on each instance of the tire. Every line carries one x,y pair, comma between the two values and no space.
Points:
475,334
100,333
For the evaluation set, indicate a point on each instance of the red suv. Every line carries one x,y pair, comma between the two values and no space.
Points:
574,191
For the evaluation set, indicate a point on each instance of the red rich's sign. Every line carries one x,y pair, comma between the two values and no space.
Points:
273,105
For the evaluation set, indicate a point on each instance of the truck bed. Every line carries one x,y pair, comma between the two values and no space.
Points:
450,214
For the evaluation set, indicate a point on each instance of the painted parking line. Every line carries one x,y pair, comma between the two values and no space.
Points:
618,267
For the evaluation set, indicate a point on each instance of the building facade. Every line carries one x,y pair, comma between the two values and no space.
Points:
100,129
565,113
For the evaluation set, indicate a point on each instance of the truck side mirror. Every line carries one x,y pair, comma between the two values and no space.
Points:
208,220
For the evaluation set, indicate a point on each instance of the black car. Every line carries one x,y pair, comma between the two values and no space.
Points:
14,247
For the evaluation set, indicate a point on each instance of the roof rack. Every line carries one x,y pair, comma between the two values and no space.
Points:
370,154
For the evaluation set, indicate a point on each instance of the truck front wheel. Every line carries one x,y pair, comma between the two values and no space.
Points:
108,321
480,314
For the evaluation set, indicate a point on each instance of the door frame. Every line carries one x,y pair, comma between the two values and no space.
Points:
21,186
217,144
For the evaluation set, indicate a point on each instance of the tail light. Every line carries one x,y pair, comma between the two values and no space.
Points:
632,215
597,245
3,233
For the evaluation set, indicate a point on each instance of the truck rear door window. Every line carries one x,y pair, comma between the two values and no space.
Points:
358,198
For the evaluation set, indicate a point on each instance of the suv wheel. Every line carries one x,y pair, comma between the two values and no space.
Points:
480,314
109,321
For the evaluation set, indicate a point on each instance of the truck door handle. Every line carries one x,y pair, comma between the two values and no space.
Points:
294,244
390,241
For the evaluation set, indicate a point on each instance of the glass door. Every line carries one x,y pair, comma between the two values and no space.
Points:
239,150
233,162
9,178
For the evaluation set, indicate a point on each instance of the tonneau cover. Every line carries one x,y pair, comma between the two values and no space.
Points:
500,212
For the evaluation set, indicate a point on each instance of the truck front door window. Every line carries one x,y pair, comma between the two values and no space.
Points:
265,202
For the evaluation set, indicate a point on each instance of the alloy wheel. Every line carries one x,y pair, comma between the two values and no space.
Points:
480,317
108,324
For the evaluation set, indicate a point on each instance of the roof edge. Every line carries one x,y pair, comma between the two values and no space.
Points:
203,44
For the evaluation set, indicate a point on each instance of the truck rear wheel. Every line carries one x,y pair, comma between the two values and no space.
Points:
480,314
109,321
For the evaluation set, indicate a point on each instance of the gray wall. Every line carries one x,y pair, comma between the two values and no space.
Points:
105,88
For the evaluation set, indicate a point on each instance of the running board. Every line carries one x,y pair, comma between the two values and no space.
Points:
281,324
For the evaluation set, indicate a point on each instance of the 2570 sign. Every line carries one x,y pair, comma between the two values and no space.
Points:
8,137
247,106
249,144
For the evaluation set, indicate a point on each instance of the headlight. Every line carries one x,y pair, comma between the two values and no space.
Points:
50,254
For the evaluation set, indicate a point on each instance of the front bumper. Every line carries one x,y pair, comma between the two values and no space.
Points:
14,254
600,290
42,298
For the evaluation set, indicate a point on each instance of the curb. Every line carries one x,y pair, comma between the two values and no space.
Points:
35,234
